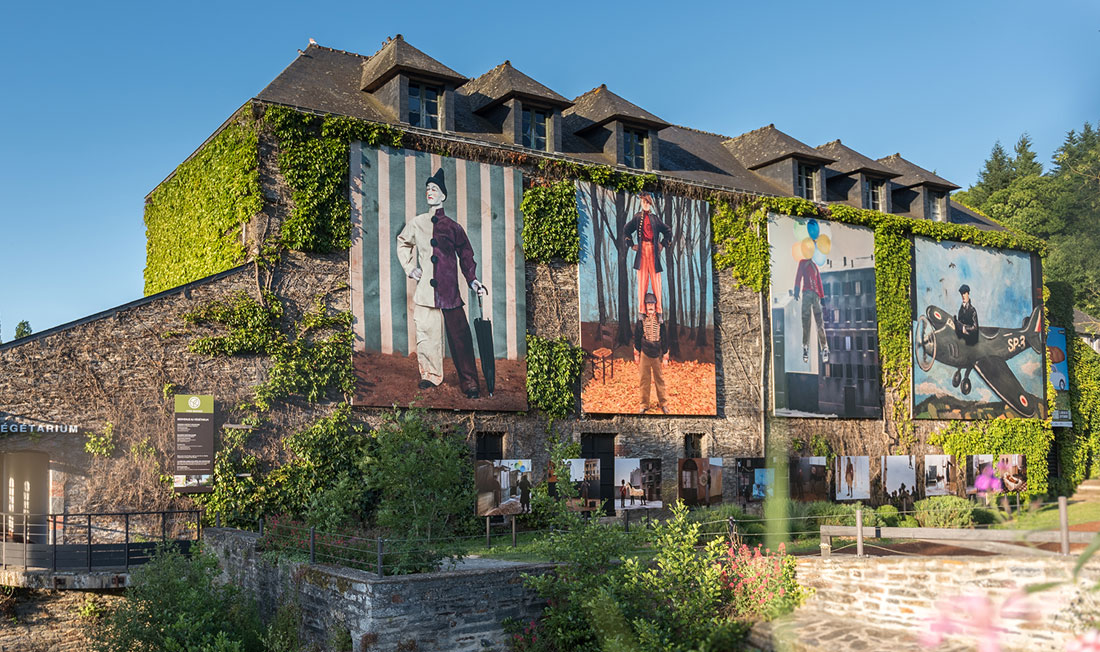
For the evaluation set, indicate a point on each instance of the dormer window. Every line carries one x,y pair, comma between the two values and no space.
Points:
634,145
534,128
874,194
806,187
424,105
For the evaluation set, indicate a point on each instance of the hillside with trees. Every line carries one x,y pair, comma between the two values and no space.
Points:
1061,205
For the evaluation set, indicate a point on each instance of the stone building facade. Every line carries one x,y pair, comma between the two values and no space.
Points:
116,371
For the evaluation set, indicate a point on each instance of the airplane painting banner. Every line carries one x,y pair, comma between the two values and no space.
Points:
977,332
438,281
824,324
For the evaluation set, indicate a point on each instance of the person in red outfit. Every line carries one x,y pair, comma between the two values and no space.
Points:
653,237
807,283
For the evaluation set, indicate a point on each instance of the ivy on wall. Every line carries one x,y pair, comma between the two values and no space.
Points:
550,222
1029,437
314,160
193,220
309,358
553,368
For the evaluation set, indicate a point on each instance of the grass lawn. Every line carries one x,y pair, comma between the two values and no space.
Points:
1046,517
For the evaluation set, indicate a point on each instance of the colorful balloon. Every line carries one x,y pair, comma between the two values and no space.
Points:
824,244
819,258
808,248
800,231
796,251
813,228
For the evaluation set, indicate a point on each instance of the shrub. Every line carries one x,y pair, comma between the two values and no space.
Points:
888,515
909,521
421,510
944,511
174,604
760,585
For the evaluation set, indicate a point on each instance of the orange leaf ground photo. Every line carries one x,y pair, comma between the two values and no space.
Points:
689,386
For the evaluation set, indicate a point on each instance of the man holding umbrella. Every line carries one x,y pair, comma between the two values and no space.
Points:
432,249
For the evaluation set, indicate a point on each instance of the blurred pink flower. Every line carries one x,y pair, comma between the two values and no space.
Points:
977,616
1087,642
988,482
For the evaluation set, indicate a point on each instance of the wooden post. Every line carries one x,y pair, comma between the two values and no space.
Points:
1063,523
381,571
731,530
859,531
513,531
488,541
261,526
312,545
826,545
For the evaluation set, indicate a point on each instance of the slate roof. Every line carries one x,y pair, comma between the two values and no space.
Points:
397,56
913,174
847,160
960,214
600,106
505,82
327,80
765,145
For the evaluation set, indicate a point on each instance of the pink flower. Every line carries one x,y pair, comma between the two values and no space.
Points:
1087,642
987,482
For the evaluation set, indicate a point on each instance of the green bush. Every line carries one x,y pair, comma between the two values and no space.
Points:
944,511
909,521
175,605
421,511
887,515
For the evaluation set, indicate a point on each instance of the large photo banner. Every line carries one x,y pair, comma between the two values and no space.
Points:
824,324
438,281
977,333
646,303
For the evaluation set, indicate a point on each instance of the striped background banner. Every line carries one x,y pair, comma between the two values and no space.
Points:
387,189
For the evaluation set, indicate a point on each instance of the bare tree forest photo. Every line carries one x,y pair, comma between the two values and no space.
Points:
646,303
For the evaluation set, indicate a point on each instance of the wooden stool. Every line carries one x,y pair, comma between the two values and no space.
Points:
601,359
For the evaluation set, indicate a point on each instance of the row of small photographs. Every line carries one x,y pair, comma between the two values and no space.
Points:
504,486
897,482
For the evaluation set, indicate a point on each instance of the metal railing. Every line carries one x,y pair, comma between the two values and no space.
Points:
92,541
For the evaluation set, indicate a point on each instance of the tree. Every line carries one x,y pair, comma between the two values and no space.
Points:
23,329
1025,164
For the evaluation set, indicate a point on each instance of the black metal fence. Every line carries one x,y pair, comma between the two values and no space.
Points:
101,541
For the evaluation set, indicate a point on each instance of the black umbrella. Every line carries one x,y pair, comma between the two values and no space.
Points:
484,330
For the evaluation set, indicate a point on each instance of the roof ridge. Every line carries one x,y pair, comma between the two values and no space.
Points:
835,141
337,50
389,39
700,131
767,126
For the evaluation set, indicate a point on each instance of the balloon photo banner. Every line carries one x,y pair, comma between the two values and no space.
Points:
824,324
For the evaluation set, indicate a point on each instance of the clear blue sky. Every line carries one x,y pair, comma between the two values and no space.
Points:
102,101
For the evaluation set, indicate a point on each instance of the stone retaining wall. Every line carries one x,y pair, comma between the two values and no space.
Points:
905,592
457,610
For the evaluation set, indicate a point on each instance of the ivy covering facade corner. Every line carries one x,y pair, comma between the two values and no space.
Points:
314,160
193,220
550,223
553,369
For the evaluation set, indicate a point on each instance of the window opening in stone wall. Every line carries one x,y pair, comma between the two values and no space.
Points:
693,444
490,446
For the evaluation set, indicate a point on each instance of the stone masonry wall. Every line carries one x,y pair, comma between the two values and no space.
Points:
904,592
457,610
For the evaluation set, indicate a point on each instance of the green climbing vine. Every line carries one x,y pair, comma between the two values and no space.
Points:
309,358
553,368
314,160
550,222
1029,437
193,219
